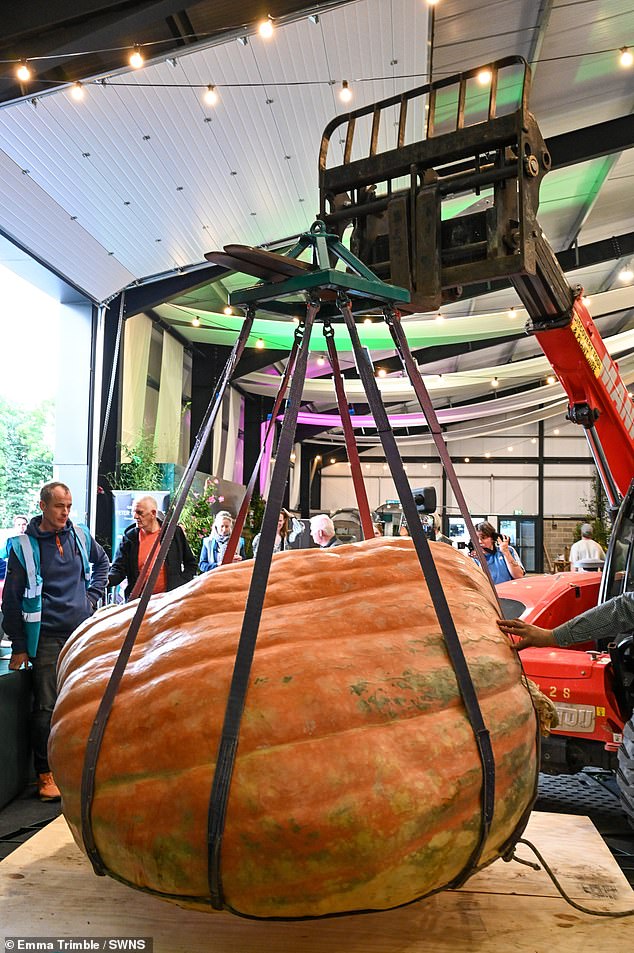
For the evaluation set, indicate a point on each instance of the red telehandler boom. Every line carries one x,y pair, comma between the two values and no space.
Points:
440,188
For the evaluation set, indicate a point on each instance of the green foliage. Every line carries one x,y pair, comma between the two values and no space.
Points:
140,471
26,458
197,516
597,514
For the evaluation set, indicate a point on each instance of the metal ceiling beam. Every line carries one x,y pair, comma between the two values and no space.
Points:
591,142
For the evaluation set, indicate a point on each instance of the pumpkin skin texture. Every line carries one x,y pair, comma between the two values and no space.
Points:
357,781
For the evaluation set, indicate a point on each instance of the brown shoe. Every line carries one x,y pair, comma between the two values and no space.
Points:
47,790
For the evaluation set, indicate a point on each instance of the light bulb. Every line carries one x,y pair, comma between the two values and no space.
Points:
495,382
23,72
586,300
196,322
440,317
345,93
382,372
467,459
227,310
259,344
510,449
556,431
626,274
367,320
484,77
321,361
626,57
265,28
551,379
136,58
77,91
511,312
211,95
487,455
332,460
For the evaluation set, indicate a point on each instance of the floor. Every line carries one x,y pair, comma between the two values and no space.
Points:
592,793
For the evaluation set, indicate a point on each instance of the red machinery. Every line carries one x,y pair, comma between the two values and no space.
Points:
402,194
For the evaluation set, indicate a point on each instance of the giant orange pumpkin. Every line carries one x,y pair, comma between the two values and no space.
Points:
357,783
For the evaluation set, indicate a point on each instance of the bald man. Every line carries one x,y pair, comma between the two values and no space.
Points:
136,545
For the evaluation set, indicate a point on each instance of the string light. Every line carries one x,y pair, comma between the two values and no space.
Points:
626,274
321,360
551,379
511,312
332,460
487,455
259,344
495,382
136,57
510,449
293,457
484,77
345,93
211,95
382,372
265,29
23,72
196,322
440,317
367,321
467,459
626,57
77,91
556,431
586,300
227,310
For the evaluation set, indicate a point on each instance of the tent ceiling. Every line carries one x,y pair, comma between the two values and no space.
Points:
141,177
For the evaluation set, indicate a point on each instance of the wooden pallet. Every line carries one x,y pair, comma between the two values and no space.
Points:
47,888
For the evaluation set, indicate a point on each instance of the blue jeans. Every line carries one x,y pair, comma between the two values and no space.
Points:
44,697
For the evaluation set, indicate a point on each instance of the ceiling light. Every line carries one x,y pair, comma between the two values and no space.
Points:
227,309
259,344
211,95
484,77
432,3
467,459
23,72
626,274
382,372
77,91
487,455
533,439
626,57
440,317
136,58
345,93
293,457
367,320
332,460
586,300
265,29
196,322
317,457
556,431
511,312
510,449
321,360
551,379
495,382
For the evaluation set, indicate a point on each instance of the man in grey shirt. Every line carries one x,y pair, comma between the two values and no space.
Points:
600,622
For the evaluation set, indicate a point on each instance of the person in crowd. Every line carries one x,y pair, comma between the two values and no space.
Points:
322,530
214,545
585,548
611,618
20,524
282,540
378,528
137,544
74,570
502,559
438,533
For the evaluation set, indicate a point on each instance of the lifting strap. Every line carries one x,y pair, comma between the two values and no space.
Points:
97,731
225,759
421,545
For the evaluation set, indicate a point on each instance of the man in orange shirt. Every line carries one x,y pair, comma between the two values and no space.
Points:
135,547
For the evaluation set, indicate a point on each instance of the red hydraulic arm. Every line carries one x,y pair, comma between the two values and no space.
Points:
598,398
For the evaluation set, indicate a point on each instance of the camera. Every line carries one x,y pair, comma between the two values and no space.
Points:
425,499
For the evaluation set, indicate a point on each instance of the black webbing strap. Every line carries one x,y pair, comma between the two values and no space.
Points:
452,642
351,444
232,545
97,731
393,320
228,745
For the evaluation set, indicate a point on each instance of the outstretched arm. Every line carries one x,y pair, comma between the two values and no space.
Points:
529,635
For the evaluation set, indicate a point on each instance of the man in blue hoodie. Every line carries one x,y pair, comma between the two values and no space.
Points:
68,598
